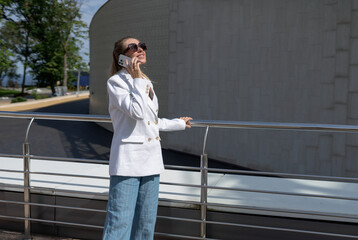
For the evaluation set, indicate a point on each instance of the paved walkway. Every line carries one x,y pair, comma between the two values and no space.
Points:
33,104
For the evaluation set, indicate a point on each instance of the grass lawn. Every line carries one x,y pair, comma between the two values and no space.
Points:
6,92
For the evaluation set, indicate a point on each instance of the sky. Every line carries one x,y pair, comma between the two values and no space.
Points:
88,9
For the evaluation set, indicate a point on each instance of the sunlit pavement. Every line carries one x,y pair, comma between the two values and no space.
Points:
33,104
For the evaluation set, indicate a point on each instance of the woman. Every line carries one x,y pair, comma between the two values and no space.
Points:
136,157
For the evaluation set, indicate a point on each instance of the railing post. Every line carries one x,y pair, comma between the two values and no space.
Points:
27,200
204,189
204,193
27,192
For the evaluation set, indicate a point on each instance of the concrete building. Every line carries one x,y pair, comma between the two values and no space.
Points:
245,60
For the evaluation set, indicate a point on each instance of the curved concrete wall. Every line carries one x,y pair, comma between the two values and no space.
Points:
143,19
248,60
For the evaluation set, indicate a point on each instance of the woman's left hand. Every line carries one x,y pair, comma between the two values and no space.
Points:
187,121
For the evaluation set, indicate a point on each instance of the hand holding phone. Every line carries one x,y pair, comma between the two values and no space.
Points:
122,61
126,62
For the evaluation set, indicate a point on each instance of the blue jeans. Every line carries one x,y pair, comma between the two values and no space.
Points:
132,208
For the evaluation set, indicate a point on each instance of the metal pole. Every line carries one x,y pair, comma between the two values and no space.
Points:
204,194
78,82
204,189
27,193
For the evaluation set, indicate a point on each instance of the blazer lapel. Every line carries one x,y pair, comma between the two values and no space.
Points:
153,104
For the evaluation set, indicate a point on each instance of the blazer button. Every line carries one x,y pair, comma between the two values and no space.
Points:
157,110
156,122
149,139
157,138
148,122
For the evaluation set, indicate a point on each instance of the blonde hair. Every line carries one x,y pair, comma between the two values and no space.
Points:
119,48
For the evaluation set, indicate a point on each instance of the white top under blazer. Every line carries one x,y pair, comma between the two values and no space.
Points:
136,149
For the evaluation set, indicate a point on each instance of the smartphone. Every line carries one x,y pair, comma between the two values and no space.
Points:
122,60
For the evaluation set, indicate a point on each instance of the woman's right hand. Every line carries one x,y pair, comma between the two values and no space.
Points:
187,121
134,68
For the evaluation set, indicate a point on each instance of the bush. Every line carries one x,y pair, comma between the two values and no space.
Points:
7,92
37,96
18,99
30,88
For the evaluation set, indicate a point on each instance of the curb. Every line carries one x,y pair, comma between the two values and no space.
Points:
23,106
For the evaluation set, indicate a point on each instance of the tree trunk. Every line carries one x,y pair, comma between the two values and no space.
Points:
52,85
65,76
24,77
25,64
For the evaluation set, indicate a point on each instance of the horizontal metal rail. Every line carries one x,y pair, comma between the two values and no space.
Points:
69,175
194,123
55,174
60,159
53,190
222,205
265,174
261,227
216,170
260,191
54,206
275,126
63,159
176,236
186,202
56,116
51,221
283,175
208,204
196,186
284,229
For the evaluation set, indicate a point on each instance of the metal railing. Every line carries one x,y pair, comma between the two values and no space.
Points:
204,204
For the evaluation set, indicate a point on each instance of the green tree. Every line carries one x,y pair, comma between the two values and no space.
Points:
17,29
70,29
7,63
47,36
46,64
60,31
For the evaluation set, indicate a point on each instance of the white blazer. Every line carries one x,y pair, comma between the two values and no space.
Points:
136,149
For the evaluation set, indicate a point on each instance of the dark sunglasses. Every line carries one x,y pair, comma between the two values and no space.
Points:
133,46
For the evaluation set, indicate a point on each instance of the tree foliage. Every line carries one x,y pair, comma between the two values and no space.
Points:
16,31
49,34
7,63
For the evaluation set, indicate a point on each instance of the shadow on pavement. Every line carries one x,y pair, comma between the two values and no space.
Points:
75,139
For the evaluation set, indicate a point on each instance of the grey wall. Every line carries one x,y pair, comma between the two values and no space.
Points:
259,60
252,60
142,19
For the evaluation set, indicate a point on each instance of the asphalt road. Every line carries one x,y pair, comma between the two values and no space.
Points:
74,139
57,138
